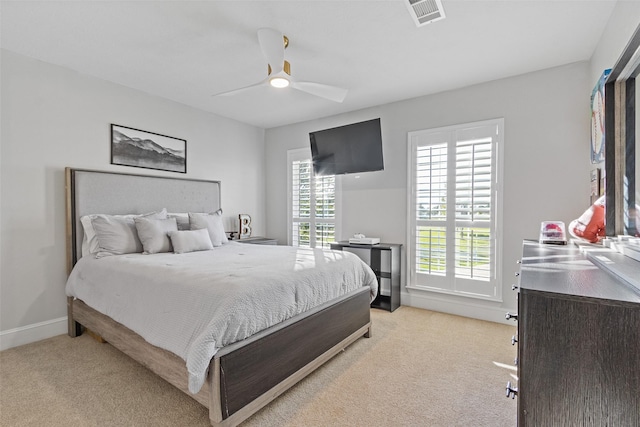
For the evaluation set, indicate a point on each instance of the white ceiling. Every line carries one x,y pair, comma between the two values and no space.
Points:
188,50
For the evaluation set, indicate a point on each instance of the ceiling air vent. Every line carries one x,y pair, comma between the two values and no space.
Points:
425,12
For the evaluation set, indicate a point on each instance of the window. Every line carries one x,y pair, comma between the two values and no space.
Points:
455,199
312,203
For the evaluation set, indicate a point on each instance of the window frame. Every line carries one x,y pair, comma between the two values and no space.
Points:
304,154
449,283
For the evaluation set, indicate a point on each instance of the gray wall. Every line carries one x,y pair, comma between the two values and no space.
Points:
546,165
53,117
546,172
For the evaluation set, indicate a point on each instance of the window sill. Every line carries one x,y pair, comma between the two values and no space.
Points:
454,293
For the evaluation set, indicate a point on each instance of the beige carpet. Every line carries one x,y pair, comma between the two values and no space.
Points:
420,368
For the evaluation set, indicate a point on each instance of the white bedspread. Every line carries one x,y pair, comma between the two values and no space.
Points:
196,303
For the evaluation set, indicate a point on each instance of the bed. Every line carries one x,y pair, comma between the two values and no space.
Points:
243,374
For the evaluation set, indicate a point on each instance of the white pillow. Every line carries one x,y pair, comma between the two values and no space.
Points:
89,239
116,236
182,220
212,222
190,241
154,234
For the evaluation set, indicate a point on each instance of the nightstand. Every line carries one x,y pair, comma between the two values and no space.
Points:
384,260
258,241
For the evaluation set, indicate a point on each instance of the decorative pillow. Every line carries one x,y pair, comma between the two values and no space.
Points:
90,240
182,219
212,222
117,234
154,234
190,241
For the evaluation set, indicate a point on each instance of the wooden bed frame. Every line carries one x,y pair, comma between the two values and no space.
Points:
243,377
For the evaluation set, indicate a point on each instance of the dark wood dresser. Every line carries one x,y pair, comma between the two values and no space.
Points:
578,337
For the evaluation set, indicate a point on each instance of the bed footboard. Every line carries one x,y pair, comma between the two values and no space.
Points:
255,374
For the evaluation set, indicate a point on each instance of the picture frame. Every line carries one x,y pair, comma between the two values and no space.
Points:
149,150
597,119
596,190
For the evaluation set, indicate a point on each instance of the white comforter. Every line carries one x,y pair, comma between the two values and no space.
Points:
193,304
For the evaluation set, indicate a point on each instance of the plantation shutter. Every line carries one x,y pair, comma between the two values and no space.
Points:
312,203
301,203
325,201
473,239
431,208
454,187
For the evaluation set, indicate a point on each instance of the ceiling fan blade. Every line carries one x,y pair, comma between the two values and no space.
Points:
240,90
332,93
272,45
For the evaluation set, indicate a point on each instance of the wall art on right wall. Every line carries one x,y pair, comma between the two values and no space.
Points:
597,119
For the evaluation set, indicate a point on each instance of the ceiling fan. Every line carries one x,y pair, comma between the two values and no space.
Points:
273,43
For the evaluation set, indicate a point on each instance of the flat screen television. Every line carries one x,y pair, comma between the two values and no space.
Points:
346,149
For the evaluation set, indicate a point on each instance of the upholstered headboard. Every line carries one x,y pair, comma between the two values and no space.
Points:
98,192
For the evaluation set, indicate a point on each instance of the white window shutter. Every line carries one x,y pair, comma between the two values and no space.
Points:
454,187
312,203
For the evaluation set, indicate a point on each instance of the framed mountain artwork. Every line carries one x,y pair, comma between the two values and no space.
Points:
142,149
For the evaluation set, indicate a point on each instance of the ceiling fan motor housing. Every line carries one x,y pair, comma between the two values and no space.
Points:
286,68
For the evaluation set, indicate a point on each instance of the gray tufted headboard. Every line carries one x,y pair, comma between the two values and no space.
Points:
95,192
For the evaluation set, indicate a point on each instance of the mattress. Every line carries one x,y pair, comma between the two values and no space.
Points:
193,304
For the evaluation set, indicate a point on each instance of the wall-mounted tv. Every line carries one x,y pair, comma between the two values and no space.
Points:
351,148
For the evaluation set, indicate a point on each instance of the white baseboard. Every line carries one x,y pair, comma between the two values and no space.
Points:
32,333
476,310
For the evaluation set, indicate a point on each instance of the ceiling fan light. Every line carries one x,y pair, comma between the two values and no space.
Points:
279,82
